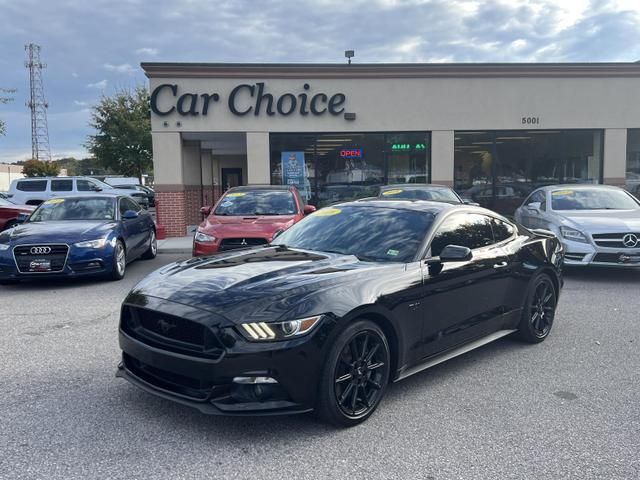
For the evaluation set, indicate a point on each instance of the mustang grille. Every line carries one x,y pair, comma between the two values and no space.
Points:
169,332
233,243
55,254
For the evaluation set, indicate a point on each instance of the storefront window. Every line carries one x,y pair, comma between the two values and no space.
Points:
328,168
498,169
633,161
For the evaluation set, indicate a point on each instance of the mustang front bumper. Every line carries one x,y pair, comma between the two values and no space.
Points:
229,375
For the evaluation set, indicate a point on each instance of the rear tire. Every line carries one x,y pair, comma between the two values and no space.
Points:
119,267
539,310
152,251
355,375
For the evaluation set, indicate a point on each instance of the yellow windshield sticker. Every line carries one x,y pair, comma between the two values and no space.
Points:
235,194
391,192
54,201
327,212
563,192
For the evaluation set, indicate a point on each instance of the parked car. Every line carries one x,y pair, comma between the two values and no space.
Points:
149,194
9,213
93,234
598,224
351,298
248,216
34,191
422,191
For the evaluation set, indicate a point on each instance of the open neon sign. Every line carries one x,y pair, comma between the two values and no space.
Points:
351,153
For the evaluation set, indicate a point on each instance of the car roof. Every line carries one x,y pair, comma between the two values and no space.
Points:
413,185
416,205
245,188
578,186
92,195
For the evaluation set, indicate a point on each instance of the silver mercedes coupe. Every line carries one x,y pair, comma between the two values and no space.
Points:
598,224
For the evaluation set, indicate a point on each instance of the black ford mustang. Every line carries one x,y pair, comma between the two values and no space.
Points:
351,298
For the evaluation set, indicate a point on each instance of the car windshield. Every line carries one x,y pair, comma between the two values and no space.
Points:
6,203
370,233
256,202
70,208
434,194
591,199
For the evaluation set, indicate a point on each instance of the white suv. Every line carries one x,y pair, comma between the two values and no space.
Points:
34,191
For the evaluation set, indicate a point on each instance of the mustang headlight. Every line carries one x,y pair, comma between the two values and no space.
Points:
573,235
265,332
99,243
4,246
204,238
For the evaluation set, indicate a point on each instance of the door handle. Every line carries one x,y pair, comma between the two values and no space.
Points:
500,265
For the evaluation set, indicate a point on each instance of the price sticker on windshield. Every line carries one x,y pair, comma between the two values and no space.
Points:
235,194
53,201
327,212
561,193
391,192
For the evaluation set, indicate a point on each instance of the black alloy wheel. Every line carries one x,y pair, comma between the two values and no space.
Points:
539,311
356,375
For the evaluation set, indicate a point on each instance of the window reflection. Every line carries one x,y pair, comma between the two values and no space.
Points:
329,168
633,161
498,169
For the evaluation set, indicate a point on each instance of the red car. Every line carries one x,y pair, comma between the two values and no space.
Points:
248,216
9,212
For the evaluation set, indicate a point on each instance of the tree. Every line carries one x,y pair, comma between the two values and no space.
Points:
123,140
4,100
37,168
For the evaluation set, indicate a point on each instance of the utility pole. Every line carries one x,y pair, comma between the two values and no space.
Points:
38,105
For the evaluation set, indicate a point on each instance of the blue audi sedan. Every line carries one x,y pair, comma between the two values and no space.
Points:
74,236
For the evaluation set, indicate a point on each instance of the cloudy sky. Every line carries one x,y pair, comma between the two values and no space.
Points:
94,47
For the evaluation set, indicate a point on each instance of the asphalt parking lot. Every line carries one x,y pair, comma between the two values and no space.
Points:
567,408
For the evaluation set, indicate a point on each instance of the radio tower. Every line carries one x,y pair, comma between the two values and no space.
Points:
38,105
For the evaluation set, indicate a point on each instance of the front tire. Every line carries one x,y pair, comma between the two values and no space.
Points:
355,375
119,262
539,310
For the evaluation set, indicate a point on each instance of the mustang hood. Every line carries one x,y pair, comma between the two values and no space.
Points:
261,284
70,231
603,221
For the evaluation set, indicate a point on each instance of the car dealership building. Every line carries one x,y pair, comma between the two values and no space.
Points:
493,132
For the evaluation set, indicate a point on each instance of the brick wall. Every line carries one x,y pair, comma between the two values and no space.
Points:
170,208
192,204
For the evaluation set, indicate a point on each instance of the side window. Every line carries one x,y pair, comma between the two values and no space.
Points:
501,230
127,204
83,185
61,185
535,197
466,230
32,186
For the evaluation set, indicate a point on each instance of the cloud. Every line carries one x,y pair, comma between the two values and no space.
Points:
122,68
101,85
151,52
79,103
74,75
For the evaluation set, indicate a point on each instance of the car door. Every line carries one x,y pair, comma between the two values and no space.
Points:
462,298
135,229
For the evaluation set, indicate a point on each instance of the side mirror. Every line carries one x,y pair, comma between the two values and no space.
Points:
205,210
455,253
22,217
468,201
129,215
95,188
309,209
534,207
